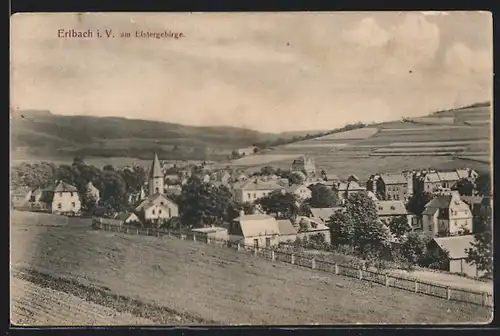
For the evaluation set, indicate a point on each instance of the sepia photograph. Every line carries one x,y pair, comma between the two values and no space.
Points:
263,168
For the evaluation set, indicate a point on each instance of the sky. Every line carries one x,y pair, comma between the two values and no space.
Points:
272,72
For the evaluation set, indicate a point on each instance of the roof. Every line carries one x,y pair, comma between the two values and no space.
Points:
391,208
332,177
156,168
65,187
443,202
258,225
432,177
256,184
301,159
209,229
286,227
463,173
448,176
148,202
393,178
352,185
456,245
324,213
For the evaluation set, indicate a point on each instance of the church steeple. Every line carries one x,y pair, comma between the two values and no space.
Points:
156,178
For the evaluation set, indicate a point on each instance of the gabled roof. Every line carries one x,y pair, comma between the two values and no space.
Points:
432,177
258,225
463,173
147,203
294,187
286,227
393,178
257,184
456,246
332,177
391,208
324,213
156,168
64,187
445,202
448,176
353,185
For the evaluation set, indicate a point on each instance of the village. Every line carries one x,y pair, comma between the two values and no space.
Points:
299,206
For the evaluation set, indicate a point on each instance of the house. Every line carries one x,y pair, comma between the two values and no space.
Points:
352,178
300,190
387,210
311,180
254,230
389,186
135,197
346,189
251,190
61,199
456,248
447,215
467,173
172,179
305,164
288,233
20,197
157,206
93,191
330,179
429,182
448,179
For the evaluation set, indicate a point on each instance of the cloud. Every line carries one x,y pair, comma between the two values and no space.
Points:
462,61
367,34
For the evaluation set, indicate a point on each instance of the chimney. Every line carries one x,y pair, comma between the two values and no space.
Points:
242,213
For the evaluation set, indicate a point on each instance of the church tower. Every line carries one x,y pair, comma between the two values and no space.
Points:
156,178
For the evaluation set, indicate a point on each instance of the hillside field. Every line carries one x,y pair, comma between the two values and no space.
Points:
446,140
211,283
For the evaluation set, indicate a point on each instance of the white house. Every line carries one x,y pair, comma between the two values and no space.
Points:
300,190
254,230
61,199
93,191
251,190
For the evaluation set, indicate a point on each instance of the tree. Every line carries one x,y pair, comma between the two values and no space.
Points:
285,205
481,251
399,226
235,208
303,225
295,178
322,197
267,171
413,248
483,184
416,204
359,225
235,154
435,258
464,187
202,204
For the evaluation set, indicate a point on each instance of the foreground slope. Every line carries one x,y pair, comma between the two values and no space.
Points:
218,284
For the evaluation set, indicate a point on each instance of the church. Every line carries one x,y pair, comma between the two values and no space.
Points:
156,207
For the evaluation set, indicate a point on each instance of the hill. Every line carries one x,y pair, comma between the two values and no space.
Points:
42,133
444,140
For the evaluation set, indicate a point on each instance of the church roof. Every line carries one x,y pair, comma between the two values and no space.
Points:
156,168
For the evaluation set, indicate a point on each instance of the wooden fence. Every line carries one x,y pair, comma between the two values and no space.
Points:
405,283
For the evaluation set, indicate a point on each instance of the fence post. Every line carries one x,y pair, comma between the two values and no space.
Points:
208,239
126,230
485,299
386,280
147,232
336,268
416,286
448,293
238,247
169,234
137,231
293,259
255,249
313,263
360,271
273,257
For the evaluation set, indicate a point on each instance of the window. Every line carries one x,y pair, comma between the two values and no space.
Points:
73,204
32,198
169,212
249,195
268,242
59,205
71,194
380,208
157,190
254,195
256,243
161,202
153,211
60,194
159,212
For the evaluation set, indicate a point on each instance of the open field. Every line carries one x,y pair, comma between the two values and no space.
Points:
262,159
217,284
35,305
402,145
360,133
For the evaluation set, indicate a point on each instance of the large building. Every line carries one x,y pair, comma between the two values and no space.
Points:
61,199
305,164
395,187
156,207
447,215
253,189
